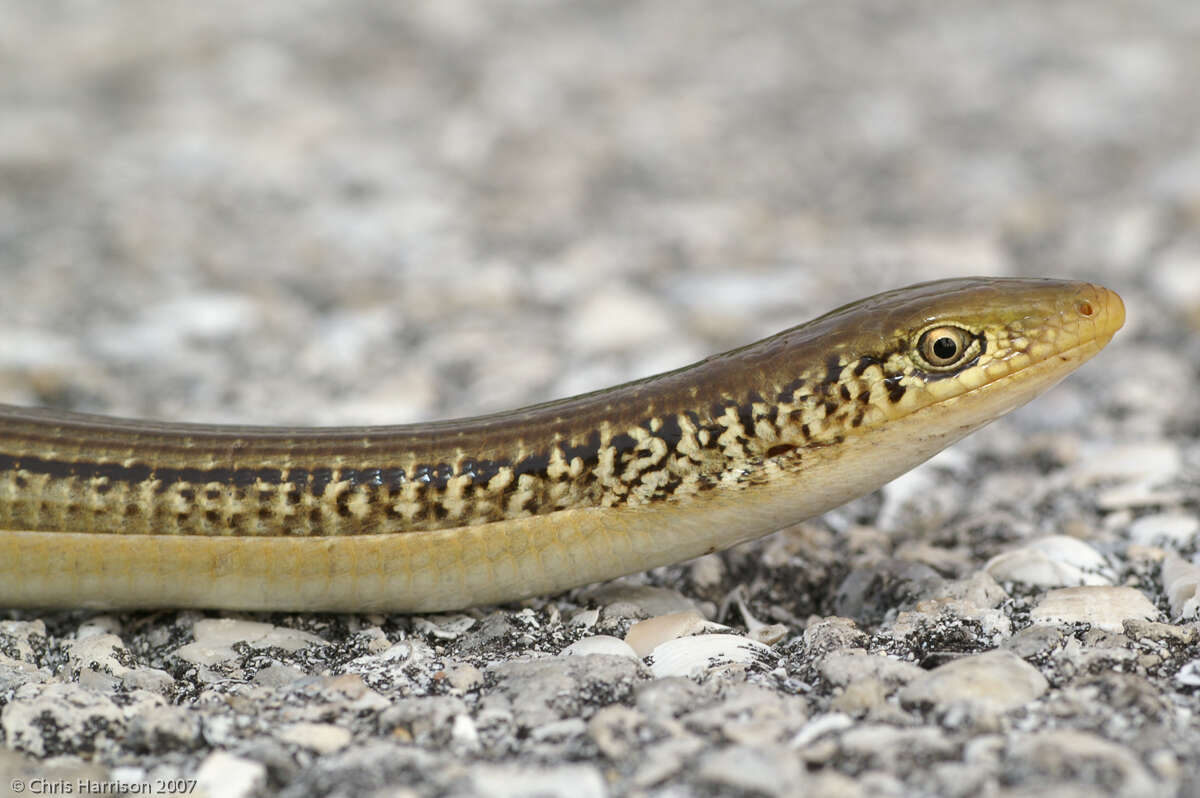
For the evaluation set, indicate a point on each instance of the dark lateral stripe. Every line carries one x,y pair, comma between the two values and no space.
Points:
140,472
314,480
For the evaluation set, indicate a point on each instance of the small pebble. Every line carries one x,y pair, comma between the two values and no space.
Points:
619,318
444,627
323,738
665,759
1105,608
585,618
753,770
1181,582
80,719
1052,561
859,698
465,734
464,678
647,600
1165,529
1175,277
224,775
153,680
644,636
615,730
278,675
601,644
693,656
671,697
995,681
520,781
19,637
1153,462
820,726
1138,494
1138,629
1049,755
215,637
846,666
1189,674
750,714
828,634
1034,640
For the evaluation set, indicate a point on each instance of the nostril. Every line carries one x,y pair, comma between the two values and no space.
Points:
1085,308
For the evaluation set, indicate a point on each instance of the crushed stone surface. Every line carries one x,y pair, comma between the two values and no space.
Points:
323,213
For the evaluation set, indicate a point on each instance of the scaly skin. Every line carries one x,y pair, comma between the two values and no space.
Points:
112,512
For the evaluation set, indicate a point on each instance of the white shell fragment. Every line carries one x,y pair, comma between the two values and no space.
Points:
1052,561
1181,583
444,627
645,636
1104,608
1152,462
223,774
694,656
996,681
600,644
1142,472
324,738
1172,529
767,633
215,638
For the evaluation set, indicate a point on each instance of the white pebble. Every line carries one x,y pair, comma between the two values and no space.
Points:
585,618
215,638
444,627
223,775
1189,674
1104,608
324,738
645,636
1175,278
1172,529
821,725
694,656
514,780
1143,493
600,644
996,681
464,733
616,319
1151,462
648,600
1052,561
99,653
1181,583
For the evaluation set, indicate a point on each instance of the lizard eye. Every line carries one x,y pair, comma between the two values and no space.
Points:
943,348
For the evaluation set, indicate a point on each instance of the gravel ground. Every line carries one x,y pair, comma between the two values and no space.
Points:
314,212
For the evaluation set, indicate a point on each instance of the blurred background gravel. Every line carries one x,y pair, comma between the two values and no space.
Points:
319,212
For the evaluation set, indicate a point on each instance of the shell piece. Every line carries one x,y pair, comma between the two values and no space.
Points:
1181,582
1172,529
694,656
769,634
1052,561
645,636
996,681
1104,608
600,644
1189,674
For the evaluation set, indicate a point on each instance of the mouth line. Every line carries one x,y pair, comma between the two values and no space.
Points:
1097,342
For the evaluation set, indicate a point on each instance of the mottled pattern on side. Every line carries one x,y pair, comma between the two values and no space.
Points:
727,423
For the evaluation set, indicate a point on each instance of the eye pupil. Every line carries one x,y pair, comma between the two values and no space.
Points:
945,348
